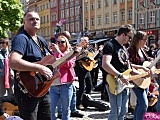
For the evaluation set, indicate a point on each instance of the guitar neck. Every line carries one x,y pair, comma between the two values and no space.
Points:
62,59
96,53
134,77
155,61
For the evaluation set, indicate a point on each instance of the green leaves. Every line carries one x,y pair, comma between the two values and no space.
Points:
11,16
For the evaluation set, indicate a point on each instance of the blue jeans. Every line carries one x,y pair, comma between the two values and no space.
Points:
64,94
72,104
142,103
119,104
158,102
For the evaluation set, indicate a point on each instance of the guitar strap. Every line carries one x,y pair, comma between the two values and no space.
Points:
42,45
145,55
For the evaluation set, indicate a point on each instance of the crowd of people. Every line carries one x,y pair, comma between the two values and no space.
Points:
51,85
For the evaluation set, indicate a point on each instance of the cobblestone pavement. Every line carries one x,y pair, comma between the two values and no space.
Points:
91,113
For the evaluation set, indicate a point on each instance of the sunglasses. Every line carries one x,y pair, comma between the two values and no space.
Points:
61,42
2,42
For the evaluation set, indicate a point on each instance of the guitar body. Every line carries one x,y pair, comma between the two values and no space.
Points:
34,83
9,109
143,82
88,64
153,101
113,87
34,86
117,87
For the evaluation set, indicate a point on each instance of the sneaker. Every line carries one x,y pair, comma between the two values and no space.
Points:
59,116
77,114
80,107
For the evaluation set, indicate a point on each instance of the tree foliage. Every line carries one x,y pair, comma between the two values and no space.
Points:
11,15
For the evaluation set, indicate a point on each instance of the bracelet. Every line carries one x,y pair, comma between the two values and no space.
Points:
119,76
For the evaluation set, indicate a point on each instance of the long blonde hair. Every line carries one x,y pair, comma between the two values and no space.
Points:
67,42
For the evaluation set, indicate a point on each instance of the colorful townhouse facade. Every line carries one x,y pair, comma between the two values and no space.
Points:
147,18
102,17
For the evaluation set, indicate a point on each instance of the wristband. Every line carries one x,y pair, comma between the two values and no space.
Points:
6,115
119,75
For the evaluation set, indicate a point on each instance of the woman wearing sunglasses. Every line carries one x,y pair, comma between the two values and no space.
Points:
62,88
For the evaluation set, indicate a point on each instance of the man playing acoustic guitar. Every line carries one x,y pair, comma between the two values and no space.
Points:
29,58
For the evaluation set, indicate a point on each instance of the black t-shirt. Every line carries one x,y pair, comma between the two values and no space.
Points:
119,55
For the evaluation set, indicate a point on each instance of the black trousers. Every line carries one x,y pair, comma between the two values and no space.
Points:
94,75
85,82
32,108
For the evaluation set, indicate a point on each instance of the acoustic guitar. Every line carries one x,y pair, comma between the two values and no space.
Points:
90,63
10,109
152,101
36,84
116,86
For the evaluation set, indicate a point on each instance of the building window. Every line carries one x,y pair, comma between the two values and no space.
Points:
67,13
77,27
41,20
53,4
77,10
47,6
107,19
92,21
99,4
67,27
54,17
72,27
99,20
44,19
122,16
86,8
86,22
62,14
130,15
114,17
67,1
141,18
47,18
37,8
92,6
62,2
43,7
71,12
106,2
115,2
152,17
